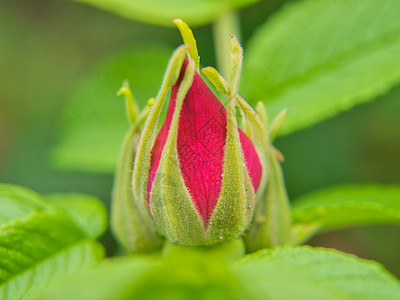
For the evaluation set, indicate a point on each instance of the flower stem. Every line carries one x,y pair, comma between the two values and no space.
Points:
227,23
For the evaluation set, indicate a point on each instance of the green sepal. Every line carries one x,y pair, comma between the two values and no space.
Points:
276,124
236,65
217,80
131,107
272,220
272,223
262,113
236,204
220,83
188,39
170,202
143,155
255,131
131,228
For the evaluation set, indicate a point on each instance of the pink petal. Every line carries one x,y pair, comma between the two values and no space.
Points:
200,144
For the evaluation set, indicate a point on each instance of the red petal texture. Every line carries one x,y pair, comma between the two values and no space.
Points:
200,144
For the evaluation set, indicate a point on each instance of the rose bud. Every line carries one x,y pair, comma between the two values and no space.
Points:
197,180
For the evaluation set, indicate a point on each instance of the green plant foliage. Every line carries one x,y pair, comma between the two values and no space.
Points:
343,206
87,212
192,276
95,122
38,248
318,58
309,273
281,273
16,202
160,12
110,280
189,276
39,242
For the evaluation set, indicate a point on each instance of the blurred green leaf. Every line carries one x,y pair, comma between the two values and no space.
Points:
281,273
190,276
160,12
87,211
343,206
318,58
17,202
110,280
39,243
194,276
310,273
95,122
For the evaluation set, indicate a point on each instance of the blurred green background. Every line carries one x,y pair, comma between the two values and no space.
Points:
47,47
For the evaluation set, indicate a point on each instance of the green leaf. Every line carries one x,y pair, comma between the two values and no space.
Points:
343,206
42,240
88,212
318,58
308,273
160,12
16,202
282,273
95,121
39,248
190,276
110,280
194,277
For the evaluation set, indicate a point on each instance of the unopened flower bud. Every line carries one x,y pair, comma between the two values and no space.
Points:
202,170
